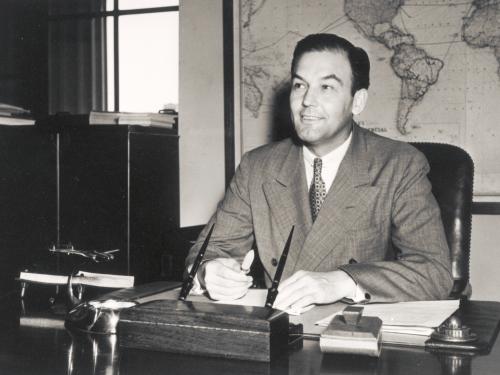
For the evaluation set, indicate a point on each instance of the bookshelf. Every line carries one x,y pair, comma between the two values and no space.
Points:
96,187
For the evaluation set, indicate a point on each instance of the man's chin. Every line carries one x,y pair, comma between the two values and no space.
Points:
308,138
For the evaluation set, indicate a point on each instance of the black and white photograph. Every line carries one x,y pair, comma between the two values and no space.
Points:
299,187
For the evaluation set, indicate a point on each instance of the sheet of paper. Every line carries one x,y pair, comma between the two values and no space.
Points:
397,317
257,297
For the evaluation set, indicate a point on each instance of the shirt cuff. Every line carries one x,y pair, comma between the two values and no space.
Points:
358,296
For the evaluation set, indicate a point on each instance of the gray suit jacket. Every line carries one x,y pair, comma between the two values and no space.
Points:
379,223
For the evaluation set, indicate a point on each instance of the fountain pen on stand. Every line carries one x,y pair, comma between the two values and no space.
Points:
273,290
188,282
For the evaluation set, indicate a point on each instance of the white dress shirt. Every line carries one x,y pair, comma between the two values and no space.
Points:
330,163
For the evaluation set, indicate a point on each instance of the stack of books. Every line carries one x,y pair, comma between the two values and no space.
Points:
101,280
12,115
164,120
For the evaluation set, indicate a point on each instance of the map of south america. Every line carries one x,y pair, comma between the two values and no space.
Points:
412,65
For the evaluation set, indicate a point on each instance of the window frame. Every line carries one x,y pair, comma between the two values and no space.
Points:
116,13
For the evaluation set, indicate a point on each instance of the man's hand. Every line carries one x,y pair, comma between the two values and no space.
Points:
224,280
304,288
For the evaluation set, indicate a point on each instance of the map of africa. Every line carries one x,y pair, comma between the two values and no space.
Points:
435,73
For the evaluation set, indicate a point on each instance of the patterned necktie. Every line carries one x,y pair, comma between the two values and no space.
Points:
317,192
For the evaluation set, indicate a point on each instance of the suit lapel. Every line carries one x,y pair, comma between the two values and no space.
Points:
287,197
344,204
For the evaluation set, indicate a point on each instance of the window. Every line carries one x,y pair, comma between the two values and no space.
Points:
125,57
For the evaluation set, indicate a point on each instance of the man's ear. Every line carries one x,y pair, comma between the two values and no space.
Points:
359,101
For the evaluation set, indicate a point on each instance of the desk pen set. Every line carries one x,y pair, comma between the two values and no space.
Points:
194,327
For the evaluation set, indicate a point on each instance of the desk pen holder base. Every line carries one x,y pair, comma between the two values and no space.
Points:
201,328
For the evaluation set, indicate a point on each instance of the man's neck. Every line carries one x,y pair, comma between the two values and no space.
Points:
324,149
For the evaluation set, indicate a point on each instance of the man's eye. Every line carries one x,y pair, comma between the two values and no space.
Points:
298,85
327,87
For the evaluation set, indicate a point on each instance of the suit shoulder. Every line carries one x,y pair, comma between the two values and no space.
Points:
270,151
387,148
267,160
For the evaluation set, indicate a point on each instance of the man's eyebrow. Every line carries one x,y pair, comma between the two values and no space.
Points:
335,77
295,75
329,76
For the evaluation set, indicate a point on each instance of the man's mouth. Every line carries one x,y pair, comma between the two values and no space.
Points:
310,117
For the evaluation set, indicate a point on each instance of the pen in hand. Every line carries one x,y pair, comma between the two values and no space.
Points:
247,261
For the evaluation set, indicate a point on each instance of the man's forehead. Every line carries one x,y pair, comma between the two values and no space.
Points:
326,64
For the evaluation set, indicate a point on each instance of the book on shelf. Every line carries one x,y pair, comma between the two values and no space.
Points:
12,115
82,277
12,120
165,120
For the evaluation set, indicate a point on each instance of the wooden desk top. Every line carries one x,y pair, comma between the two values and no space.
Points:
28,348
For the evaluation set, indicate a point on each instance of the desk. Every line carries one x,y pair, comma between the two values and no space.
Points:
28,349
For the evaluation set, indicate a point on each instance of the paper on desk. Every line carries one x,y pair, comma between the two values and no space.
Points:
257,297
417,317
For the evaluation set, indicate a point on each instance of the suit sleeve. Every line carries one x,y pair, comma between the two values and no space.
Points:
422,268
233,232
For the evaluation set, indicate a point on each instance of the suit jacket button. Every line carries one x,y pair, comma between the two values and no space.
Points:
368,296
274,262
353,261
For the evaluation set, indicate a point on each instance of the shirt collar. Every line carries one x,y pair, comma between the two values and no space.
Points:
335,154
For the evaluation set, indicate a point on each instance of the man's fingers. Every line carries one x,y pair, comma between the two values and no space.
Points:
289,281
302,302
294,288
224,279
219,292
222,294
218,282
291,295
226,270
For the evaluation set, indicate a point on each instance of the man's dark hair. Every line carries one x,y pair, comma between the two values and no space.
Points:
358,58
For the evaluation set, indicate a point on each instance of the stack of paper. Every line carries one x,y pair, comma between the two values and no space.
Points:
407,323
166,120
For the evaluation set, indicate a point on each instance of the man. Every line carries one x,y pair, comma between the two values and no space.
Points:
367,227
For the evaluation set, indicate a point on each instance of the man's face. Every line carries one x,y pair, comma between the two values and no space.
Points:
321,101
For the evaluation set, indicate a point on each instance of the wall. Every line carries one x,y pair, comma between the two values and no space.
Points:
201,110
485,257
23,60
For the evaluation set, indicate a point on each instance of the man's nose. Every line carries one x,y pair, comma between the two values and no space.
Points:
310,97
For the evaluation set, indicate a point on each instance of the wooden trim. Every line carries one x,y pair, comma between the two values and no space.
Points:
486,208
228,63
116,58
